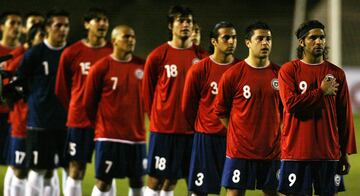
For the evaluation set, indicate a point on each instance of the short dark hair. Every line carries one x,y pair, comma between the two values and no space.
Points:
175,11
53,13
214,33
302,32
4,15
249,30
38,27
33,13
94,13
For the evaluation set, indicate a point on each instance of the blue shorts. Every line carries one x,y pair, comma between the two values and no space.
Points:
207,162
299,177
119,160
17,152
245,174
45,148
4,138
169,155
79,144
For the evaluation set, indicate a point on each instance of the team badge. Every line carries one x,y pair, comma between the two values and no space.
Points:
337,179
275,83
195,60
329,77
139,73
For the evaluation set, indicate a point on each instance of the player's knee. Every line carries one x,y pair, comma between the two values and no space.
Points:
76,170
155,183
103,186
136,182
20,173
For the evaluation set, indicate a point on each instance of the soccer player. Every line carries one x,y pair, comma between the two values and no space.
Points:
164,76
74,66
200,90
32,18
46,116
10,24
196,34
17,118
318,129
113,101
249,105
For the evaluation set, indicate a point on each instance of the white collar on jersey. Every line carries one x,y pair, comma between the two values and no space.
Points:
253,66
213,60
52,47
311,63
177,47
121,61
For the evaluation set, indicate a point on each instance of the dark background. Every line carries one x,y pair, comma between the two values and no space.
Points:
148,18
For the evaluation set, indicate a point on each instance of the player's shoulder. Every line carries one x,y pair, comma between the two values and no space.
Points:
291,65
275,66
138,60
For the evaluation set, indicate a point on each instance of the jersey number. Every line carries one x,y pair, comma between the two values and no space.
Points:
236,176
85,67
214,87
115,81
108,166
19,157
246,93
72,148
303,86
160,163
292,179
200,179
171,70
46,67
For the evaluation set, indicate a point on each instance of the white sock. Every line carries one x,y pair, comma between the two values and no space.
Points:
35,183
166,193
112,191
55,183
136,191
64,176
97,192
151,192
48,189
17,187
73,187
7,181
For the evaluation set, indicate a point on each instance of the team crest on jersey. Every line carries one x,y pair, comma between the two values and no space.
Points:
195,60
275,83
337,179
139,73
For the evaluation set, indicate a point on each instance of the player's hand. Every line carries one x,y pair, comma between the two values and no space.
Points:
329,86
344,165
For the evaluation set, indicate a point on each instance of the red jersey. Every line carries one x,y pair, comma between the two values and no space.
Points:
315,127
249,97
164,78
3,65
74,66
17,116
200,90
113,100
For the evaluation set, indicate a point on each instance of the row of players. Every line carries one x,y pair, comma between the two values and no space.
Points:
234,106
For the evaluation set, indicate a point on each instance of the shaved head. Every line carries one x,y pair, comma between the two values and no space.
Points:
119,30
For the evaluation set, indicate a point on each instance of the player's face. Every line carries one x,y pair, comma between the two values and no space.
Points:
226,41
12,26
260,43
125,40
58,30
182,27
314,43
98,26
31,20
196,35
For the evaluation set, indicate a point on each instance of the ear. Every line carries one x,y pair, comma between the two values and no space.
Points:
301,42
213,41
170,26
86,25
247,43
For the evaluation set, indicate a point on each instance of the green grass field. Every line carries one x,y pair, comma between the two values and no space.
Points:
352,181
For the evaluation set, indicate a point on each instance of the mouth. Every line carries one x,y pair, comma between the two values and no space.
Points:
265,50
185,31
101,29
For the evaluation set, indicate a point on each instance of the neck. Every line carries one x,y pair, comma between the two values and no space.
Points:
122,56
181,43
258,62
312,59
95,41
54,43
10,43
222,58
